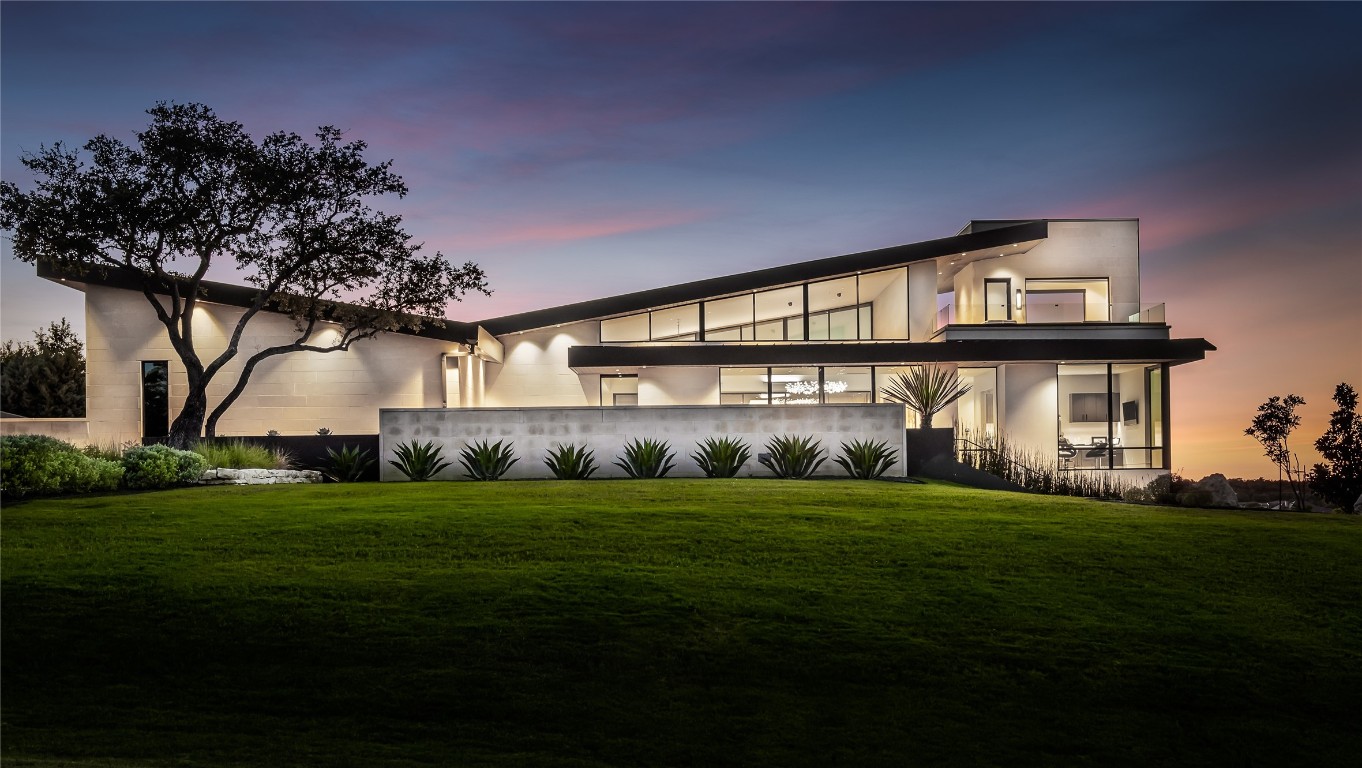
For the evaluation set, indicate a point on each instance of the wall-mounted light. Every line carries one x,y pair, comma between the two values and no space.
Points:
1019,299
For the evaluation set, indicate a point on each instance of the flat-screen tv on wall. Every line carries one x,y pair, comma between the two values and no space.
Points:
1130,412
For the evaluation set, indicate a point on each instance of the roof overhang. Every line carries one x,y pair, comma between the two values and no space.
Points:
244,296
587,359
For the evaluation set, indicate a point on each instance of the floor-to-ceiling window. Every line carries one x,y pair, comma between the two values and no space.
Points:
1111,416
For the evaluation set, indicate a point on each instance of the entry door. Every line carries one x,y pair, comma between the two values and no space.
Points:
997,302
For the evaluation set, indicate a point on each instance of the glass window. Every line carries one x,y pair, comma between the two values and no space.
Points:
619,389
628,328
832,294
743,386
818,327
842,324
779,304
846,385
1067,301
865,322
723,314
794,329
794,386
676,323
155,398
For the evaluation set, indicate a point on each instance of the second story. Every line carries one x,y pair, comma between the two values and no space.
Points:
994,279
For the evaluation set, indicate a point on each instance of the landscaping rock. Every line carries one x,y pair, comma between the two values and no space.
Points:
1221,494
259,476
1357,506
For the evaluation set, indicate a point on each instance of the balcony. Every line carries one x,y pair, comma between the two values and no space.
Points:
1125,321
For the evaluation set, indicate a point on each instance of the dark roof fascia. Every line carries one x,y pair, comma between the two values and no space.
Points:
766,278
1175,351
238,296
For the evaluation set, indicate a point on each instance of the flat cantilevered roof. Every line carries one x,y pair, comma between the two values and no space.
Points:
883,258
976,351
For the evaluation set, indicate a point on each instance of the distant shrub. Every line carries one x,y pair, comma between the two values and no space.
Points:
1194,498
419,461
646,458
160,466
108,451
721,457
571,462
866,460
349,464
37,465
793,458
239,454
485,460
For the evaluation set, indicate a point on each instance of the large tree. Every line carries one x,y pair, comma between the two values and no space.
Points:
1338,480
194,191
45,378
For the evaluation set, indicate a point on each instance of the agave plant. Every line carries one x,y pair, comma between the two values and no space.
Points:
348,464
646,458
418,461
722,457
866,460
927,389
571,462
487,461
793,457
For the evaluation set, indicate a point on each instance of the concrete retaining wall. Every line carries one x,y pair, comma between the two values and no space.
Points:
606,430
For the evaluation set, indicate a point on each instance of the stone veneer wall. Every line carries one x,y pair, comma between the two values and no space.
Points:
534,431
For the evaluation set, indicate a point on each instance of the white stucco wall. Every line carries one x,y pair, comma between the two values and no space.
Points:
535,371
606,430
294,393
1028,406
678,386
1073,249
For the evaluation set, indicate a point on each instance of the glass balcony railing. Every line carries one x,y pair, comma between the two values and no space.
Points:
1137,313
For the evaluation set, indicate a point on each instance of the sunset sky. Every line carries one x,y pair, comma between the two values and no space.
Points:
584,150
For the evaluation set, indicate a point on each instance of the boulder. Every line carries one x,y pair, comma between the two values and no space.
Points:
1357,505
1222,495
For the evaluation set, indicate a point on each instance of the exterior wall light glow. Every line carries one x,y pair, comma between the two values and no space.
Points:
1019,299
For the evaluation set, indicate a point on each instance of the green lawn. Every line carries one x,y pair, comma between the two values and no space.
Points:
677,622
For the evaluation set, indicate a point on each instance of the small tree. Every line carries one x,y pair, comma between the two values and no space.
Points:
45,379
1339,479
195,190
1271,427
927,389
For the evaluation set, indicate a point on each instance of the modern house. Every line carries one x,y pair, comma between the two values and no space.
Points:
1043,318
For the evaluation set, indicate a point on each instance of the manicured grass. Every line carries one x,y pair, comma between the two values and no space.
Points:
675,622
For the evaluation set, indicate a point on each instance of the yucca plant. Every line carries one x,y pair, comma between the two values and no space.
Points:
571,462
646,458
487,461
418,461
348,464
792,457
926,389
865,459
722,457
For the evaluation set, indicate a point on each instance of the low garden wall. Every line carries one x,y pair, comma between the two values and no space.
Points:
75,431
606,430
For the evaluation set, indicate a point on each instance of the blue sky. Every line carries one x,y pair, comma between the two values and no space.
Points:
583,150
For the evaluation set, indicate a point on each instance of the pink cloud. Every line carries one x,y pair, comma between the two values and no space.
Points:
556,228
